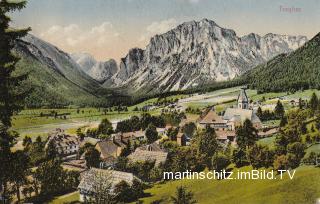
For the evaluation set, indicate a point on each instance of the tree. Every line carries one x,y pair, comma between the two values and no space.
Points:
123,192
220,161
127,150
102,188
172,133
105,127
137,189
121,163
49,176
295,154
283,121
260,156
20,165
151,133
314,102
247,135
281,162
279,110
26,141
259,112
183,196
51,152
12,94
80,134
189,129
239,157
206,143
92,157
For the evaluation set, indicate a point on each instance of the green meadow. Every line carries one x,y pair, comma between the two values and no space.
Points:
302,189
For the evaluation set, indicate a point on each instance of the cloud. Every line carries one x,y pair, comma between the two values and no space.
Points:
158,27
72,35
99,40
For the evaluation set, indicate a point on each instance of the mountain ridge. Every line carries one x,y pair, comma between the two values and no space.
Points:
196,53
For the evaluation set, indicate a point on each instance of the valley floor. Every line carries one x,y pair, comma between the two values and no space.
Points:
29,122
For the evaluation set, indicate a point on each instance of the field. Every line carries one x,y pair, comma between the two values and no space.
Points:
29,122
303,188
68,198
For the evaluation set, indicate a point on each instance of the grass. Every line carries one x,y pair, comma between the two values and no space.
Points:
269,141
67,198
303,188
314,148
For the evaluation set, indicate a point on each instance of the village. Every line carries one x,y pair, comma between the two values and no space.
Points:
73,149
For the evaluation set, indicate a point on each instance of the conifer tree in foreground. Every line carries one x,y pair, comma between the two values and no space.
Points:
11,94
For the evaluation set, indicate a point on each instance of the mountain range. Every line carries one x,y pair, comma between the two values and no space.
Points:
196,53
100,71
192,54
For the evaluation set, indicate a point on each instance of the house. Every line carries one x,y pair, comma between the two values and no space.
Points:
98,180
109,149
182,139
145,155
77,164
226,136
90,140
161,131
124,137
212,119
66,145
112,148
155,146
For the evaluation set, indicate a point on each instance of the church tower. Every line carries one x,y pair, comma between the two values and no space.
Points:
243,101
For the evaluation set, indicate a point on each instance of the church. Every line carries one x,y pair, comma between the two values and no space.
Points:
232,117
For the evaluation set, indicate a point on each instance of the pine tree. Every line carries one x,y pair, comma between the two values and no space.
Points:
314,102
247,135
259,112
279,110
11,94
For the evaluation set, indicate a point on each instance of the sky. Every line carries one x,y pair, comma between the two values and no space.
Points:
109,28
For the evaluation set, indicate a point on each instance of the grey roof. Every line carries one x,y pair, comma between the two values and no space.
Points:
151,147
211,117
243,96
90,140
107,148
93,178
60,139
143,155
242,114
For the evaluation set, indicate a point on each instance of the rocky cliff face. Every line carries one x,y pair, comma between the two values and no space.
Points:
196,53
100,71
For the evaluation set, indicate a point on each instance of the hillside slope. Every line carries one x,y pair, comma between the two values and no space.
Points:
288,72
303,188
55,78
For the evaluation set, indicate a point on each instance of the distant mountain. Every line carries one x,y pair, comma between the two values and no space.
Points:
196,53
56,78
100,71
288,72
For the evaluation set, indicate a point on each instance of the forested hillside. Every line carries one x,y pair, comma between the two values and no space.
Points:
288,72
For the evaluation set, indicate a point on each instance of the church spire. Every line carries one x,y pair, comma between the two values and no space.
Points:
243,101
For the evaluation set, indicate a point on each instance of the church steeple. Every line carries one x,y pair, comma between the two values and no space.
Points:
243,101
